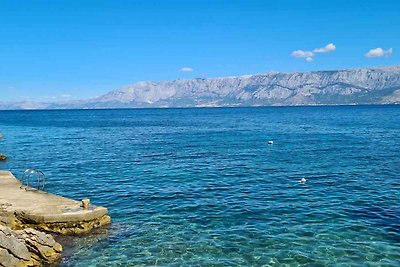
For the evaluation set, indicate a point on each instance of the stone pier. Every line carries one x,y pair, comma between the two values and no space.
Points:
21,208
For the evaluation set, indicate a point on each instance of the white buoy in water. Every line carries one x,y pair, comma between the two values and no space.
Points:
270,142
303,181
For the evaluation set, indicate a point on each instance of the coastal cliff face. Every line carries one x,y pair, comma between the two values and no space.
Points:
341,87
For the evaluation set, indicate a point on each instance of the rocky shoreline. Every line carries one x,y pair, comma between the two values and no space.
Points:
28,218
28,247
28,244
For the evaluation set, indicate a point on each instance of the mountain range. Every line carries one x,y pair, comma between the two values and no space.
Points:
338,87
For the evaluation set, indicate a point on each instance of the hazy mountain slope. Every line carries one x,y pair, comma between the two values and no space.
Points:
355,86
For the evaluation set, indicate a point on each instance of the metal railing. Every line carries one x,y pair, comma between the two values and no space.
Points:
25,180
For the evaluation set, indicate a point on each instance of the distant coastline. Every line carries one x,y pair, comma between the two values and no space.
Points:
207,107
364,86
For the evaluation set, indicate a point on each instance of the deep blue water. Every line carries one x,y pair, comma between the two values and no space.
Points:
201,187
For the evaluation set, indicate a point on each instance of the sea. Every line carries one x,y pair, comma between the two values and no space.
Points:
202,186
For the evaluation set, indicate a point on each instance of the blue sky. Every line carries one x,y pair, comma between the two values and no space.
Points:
56,50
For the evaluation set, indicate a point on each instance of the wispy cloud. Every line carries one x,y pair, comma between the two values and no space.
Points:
326,49
379,52
301,53
309,55
187,69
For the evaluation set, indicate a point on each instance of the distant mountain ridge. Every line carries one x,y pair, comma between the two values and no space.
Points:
340,87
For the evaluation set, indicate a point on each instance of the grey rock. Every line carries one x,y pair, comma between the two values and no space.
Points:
27,247
7,259
13,245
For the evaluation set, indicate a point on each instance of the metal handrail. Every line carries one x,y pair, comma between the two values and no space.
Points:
41,179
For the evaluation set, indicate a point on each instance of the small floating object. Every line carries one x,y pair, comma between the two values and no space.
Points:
303,181
270,142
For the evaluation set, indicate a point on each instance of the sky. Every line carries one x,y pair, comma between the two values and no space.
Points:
61,50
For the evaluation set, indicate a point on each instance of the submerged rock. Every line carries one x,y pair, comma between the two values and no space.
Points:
27,247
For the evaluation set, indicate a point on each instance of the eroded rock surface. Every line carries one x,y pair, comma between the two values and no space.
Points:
27,247
64,228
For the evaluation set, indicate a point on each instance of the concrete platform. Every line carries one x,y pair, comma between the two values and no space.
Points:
47,211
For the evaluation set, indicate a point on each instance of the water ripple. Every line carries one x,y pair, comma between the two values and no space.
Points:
200,187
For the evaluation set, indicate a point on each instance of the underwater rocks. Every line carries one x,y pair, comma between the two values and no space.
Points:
27,247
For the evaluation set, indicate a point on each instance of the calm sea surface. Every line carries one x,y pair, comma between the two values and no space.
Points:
201,187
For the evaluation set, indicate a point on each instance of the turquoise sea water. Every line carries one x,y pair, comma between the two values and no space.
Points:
201,187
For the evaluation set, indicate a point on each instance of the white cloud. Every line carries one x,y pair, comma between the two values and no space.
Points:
301,53
379,52
65,96
309,55
326,49
187,69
